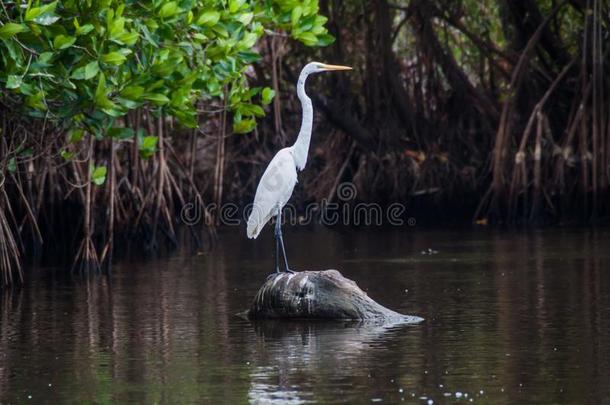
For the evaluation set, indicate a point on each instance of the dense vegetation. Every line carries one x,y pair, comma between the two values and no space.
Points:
93,92
489,110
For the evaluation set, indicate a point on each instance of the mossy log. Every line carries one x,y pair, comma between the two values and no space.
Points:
319,295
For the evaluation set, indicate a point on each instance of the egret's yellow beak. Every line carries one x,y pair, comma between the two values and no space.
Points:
335,67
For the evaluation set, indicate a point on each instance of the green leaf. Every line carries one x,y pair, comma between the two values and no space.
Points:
245,18
325,40
63,41
98,176
133,92
128,104
188,119
318,30
85,29
121,133
46,19
248,40
76,135
114,58
31,14
209,18
66,154
36,101
147,146
101,96
129,38
235,5
44,60
307,38
267,95
12,165
10,29
220,31
249,57
116,27
320,20
295,16
14,51
169,9
114,111
89,71
27,89
157,98
27,152
13,81
257,110
251,109
244,126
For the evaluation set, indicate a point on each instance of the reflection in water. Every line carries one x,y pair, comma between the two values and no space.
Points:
510,317
327,351
311,347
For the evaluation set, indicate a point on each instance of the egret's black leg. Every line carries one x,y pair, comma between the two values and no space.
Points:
284,253
279,232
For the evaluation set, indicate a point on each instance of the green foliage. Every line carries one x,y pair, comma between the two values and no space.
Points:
267,95
147,145
98,175
84,63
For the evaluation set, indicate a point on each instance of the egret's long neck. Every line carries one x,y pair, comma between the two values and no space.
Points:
301,146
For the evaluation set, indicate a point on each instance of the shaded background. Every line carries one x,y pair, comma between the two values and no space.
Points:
486,110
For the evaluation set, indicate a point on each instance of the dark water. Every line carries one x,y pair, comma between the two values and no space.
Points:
511,317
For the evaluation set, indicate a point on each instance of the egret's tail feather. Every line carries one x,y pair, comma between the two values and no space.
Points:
254,227
253,230
256,222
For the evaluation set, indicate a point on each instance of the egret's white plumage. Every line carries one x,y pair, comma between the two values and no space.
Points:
280,177
273,191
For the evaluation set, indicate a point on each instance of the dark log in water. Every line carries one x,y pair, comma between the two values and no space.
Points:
319,295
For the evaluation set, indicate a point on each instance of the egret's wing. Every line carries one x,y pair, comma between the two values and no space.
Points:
274,189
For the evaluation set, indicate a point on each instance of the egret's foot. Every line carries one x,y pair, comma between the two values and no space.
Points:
289,271
274,274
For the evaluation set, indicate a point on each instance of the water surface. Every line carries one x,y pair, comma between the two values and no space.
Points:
511,317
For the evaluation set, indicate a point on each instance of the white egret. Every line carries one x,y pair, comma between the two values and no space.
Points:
278,181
